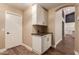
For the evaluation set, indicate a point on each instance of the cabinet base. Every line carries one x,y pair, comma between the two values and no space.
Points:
41,52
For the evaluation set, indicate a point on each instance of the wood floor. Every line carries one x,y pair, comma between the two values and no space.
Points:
18,50
53,51
65,47
21,50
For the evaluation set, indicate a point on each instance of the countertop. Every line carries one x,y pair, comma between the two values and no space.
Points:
41,34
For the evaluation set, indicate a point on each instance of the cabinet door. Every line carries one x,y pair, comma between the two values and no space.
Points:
41,16
45,17
45,44
36,44
34,14
49,37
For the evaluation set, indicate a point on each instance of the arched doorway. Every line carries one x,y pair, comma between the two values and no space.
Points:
65,29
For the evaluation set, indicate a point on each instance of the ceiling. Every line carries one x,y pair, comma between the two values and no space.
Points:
23,6
50,5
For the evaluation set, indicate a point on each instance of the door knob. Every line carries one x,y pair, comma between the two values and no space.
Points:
8,32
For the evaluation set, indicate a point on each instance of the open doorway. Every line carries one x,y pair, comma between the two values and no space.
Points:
67,18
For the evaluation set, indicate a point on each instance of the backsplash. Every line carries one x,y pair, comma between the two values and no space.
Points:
40,29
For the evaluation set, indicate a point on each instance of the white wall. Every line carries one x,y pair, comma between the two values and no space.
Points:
68,10
69,28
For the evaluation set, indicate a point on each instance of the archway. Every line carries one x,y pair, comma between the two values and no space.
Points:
65,29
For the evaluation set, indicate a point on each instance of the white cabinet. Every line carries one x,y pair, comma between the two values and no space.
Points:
36,44
46,42
39,15
41,43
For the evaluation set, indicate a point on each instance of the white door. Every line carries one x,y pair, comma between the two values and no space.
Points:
58,26
13,30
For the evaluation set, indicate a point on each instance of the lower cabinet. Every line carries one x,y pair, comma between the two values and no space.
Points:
40,44
36,44
46,42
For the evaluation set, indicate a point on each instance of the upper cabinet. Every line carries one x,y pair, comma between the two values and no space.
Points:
39,15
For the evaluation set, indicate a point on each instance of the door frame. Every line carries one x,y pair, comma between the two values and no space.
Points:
13,13
63,30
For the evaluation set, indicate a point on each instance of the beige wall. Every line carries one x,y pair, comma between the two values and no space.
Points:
51,23
51,20
77,29
2,33
4,8
27,27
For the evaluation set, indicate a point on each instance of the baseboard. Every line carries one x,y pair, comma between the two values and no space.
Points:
29,48
57,43
53,46
2,50
76,53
